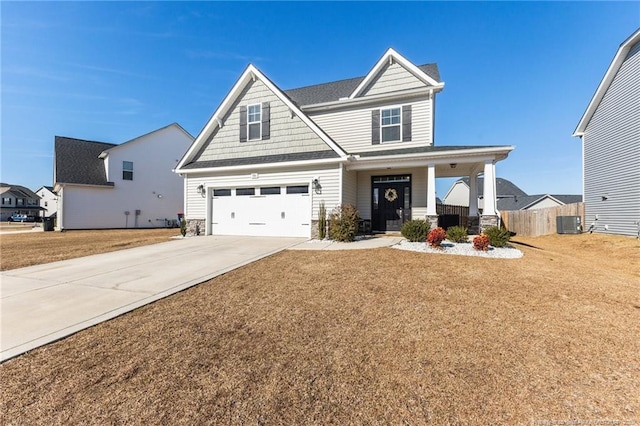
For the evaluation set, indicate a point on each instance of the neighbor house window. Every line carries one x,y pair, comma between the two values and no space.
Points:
127,170
390,124
254,118
20,202
6,200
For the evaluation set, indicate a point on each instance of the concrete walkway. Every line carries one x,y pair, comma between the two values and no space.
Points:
41,304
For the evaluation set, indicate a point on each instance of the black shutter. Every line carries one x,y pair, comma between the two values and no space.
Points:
243,124
266,121
375,127
406,123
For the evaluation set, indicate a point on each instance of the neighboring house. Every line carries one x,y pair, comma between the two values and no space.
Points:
268,158
48,200
509,195
131,185
610,133
18,199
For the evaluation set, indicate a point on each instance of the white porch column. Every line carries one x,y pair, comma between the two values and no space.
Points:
431,190
473,194
489,208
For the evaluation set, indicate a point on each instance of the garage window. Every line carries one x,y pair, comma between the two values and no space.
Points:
245,191
221,192
298,189
270,190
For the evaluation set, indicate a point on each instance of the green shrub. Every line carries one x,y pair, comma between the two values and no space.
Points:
322,221
343,223
436,236
481,242
415,230
183,227
498,237
457,234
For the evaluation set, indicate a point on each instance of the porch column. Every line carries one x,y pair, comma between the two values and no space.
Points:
431,190
489,208
473,194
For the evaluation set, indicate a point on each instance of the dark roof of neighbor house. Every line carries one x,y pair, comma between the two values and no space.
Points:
503,187
333,91
520,202
19,191
76,161
264,159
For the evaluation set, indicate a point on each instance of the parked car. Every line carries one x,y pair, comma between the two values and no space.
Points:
21,218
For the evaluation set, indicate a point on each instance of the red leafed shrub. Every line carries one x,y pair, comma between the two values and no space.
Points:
481,242
436,236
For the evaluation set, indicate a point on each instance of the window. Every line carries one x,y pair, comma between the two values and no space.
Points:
20,202
254,120
390,124
246,191
6,200
298,189
271,190
221,192
127,170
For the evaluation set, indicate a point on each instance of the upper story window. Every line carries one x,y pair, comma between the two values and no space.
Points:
254,120
19,201
6,200
127,170
390,124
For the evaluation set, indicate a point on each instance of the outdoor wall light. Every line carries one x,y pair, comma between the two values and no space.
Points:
200,189
605,198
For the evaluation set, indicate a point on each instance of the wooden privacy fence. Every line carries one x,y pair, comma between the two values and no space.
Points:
462,211
537,222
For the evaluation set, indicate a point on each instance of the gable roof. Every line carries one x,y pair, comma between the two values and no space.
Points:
77,161
176,125
608,78
504,187
251,73
522,202
18,191
336,90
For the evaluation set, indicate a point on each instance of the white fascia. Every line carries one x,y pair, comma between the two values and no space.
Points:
245,167
373,99
392,54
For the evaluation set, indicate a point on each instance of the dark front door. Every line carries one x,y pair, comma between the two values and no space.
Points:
390,202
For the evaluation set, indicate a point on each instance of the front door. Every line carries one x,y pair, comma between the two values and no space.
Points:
390,202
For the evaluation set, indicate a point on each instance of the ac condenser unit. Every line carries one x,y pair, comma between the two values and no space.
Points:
568,224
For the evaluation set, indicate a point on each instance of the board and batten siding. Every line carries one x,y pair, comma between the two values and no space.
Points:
393,78
418,190
329,178
288,134
612,154
351,128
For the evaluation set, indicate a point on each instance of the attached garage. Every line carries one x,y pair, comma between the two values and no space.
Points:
273,211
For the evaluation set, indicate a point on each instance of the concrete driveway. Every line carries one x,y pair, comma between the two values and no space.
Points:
41,304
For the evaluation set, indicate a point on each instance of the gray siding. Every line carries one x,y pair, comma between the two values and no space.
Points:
612,154
418,189
393,78
288,134
349,187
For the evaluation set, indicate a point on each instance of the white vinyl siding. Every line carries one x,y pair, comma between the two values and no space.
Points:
393,78
349,187
351,128
612,154
329,180
287,134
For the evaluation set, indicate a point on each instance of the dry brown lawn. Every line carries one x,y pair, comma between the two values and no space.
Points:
26,249
361,337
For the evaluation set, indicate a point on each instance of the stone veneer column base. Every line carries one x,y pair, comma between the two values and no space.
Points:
195,227
473,225
487,222
315,233
432,221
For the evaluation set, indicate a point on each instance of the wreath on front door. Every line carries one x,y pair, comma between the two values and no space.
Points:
391,194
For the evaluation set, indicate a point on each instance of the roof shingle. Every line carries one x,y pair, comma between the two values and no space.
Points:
76,161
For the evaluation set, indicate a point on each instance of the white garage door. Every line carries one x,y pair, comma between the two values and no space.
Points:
274,211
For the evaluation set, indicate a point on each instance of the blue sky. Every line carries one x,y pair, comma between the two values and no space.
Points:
515,73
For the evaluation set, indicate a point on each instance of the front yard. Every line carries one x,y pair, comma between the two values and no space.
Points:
361,337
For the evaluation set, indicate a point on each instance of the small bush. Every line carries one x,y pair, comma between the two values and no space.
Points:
322,221
183,227
436,236
481,242
498,237
415,230
343,223
457,234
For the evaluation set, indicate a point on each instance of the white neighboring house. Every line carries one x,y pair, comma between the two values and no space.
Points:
268,158
131,185
48,200
509,196
610,134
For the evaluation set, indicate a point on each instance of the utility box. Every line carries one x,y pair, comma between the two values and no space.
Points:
568,224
